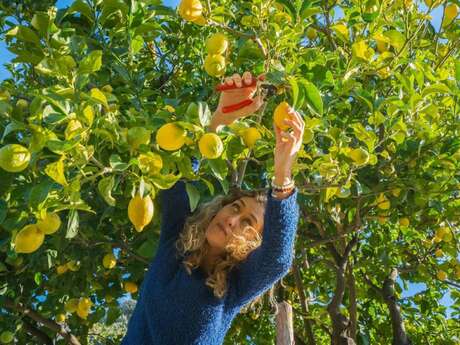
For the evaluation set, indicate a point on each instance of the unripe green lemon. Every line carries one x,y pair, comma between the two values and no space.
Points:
6,337
311,33
109,261
14,157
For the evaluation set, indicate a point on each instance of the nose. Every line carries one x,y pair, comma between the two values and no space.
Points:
231,222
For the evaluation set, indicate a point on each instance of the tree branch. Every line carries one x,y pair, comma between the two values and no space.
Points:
19,307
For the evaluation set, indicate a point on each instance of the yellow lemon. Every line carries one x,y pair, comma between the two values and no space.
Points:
140,211
150,163
396,192
60,317
441,275
440,232
457,273
190,9
50,224
130,287
450,13
200,20
109,261
211,145
382,202
137,136
359,156
404,222
311,33
29,239
214,65
82,313
73,265
6,337
281,113
61,269
14,157
438,253
171,137
71,305
447,237
84,303
435,3
250,136
217,44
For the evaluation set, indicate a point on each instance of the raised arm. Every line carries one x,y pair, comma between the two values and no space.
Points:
175,207
272,260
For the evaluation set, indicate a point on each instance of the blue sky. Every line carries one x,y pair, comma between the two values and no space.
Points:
6,56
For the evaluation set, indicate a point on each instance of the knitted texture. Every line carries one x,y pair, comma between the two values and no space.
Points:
175,308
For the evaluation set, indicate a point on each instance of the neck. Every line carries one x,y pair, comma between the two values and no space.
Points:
210,259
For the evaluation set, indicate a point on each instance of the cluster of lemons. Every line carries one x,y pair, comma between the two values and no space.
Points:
31,236
216,45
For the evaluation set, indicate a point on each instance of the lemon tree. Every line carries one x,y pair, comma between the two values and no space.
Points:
109,101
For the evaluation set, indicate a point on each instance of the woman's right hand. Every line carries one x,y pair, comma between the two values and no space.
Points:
234,96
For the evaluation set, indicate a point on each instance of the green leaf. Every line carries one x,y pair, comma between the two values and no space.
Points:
117,164
25,34
91,63
56,171
40,22
165,181
112,315
39,193
99,96
193,195
72,224
3,210
313,97
204,113
396,39
219,168
136,44
307,12
82,7
457,70
105,187
38,278
288,6
436,88
295,91
147,248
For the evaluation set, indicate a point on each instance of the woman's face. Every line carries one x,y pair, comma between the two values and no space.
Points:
232,219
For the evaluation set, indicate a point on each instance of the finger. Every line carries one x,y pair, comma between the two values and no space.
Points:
295,126
237,79
229,81
297,118
247,77
277,131
289,137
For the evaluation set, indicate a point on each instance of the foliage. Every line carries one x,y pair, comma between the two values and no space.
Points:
381,79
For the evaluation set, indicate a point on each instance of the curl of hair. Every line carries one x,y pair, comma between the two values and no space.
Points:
193,247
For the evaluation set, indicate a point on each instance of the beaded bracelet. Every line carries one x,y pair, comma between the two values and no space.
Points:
282,189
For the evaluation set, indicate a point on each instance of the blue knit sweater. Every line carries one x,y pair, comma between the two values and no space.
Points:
175,308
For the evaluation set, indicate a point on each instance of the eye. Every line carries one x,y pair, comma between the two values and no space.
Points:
237,207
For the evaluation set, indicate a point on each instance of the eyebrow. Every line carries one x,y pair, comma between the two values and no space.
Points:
244,204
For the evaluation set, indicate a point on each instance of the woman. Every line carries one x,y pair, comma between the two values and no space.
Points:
230,251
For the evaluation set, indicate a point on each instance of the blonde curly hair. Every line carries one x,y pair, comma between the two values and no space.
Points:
193,247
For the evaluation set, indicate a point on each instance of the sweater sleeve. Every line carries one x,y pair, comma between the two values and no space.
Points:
175,207
272,260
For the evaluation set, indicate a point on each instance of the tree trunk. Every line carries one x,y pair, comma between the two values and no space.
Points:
352,307
304,304
284,324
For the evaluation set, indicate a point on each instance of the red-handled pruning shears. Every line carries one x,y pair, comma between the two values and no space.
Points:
246,102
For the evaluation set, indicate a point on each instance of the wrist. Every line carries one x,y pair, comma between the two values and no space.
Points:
281,178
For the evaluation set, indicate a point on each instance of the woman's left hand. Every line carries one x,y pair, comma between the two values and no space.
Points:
287,145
